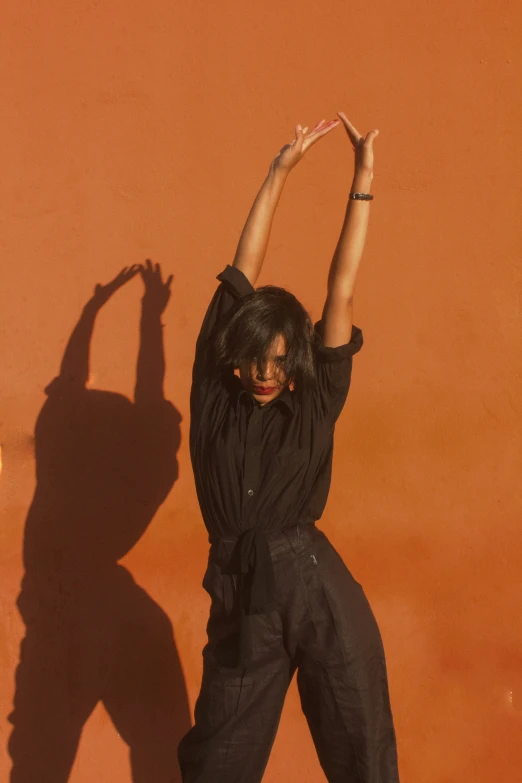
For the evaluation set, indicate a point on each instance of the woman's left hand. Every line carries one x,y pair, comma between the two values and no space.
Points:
289,155
363,145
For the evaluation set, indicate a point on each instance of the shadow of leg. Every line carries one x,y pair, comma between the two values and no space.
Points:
56,690
144,689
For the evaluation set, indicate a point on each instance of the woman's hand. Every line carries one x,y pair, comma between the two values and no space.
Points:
102,293
362,145
157,292
289,155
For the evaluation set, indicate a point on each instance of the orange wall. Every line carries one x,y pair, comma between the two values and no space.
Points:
145,129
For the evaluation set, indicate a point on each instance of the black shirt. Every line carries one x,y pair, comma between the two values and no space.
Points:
262,468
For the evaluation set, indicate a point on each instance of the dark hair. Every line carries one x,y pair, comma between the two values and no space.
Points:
255,323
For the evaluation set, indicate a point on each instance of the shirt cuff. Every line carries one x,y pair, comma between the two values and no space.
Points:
327,353
236,281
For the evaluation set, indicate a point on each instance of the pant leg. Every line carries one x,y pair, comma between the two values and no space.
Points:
342,676
238,710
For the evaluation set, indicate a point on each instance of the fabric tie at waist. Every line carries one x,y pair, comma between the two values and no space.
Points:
256,568
250,560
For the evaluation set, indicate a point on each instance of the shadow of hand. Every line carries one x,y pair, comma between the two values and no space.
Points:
157,292
102,293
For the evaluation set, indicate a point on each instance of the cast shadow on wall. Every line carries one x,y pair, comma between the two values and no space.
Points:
104,465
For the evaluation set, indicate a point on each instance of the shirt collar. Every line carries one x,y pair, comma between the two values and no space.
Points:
284,401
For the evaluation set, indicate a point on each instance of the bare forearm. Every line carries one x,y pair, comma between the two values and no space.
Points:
349,250
253,242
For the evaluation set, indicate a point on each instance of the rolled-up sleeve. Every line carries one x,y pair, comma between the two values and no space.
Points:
334,371
233,287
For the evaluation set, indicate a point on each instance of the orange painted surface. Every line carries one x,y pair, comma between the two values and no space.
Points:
136,130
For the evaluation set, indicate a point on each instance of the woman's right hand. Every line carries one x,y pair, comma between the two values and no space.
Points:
362,145
289,155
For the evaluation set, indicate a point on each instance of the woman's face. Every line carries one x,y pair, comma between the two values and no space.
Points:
265,386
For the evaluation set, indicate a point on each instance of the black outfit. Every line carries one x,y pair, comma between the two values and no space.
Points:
282,599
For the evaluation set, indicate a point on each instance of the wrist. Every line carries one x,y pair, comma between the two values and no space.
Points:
362,181
277,173
150,307
91,308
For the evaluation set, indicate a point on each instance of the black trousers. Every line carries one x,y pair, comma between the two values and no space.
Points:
323,628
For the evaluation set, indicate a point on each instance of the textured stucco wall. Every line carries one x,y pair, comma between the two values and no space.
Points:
136,130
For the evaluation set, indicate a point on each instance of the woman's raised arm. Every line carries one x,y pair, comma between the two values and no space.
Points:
253,242
338,309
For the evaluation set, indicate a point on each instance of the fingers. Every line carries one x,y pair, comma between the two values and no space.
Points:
326,127
299,135
132,272
146,269
317,125
320,130
370,138
151,274
120,276
167,282
353,133
355,137
148,273
304,139
317,131
126,274
156,272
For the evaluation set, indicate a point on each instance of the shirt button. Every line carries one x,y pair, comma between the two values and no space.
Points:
250,492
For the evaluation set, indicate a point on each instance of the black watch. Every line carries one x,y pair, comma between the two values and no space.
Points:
361,197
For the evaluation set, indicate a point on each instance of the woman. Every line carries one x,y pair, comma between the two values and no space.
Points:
261,446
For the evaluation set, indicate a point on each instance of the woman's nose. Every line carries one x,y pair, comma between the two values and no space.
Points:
265,372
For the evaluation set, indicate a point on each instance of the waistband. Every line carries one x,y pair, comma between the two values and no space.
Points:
279,542
252,554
